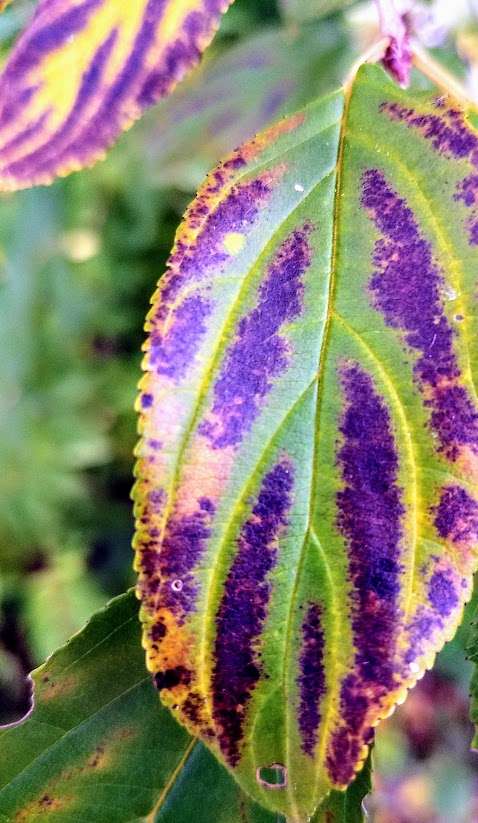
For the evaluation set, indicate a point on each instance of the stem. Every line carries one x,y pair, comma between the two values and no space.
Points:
375,53
398,57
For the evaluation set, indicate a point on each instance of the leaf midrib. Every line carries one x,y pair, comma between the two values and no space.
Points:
314,457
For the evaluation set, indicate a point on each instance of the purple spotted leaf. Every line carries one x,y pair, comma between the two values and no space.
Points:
307,494
82,72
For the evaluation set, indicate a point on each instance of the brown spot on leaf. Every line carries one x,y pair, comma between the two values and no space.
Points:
52,689
41,806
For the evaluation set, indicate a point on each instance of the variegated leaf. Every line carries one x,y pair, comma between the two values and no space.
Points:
84,70
307,515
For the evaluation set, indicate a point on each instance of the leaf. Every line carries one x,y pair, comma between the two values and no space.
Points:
275,72
82,72
86,747
98,746
307,514
472,650
308,9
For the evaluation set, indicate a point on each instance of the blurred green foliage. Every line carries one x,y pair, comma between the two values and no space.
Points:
78,264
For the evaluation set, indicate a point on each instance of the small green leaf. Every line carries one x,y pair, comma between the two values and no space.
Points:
472,650
307,512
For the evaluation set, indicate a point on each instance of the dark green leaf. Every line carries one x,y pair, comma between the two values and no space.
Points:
96,748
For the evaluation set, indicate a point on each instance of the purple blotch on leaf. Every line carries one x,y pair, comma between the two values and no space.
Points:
311,679
146,400
243,608
370,513
172,353
445,128
406,288
259,353
442,593
236,212
170,678
450,135
175,337
455,418
456,516
424,624
180,552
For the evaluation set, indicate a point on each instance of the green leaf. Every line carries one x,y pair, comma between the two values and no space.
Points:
85,752
307,515
275,72
99,747
308,9
472,650
83,72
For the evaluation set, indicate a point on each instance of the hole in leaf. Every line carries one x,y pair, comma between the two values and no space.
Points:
177,585
272,777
